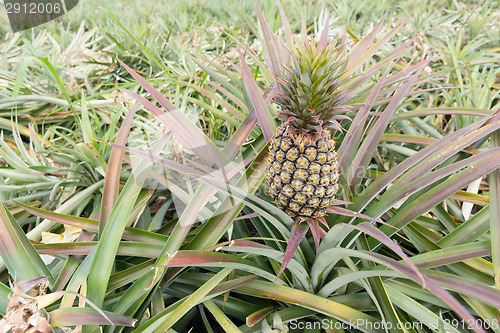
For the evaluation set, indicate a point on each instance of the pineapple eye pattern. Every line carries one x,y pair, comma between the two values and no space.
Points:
283,200
313,179
297,184
322,146
300,174
310,153
288,190
277,181
321,158
280,156
292,154
301,198
314,168
325,169
324,181
313,202
294,206
320,191
308,190
304,176
287,166
331,156
302,162
285,177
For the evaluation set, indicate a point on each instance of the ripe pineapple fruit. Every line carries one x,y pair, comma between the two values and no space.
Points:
303,167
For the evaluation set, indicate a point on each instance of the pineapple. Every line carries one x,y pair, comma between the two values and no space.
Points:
303,168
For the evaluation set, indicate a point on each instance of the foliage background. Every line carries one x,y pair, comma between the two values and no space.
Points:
60,103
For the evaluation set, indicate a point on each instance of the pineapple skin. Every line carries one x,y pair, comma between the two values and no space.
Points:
303,173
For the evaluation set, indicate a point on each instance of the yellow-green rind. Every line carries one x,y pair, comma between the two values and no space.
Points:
302,174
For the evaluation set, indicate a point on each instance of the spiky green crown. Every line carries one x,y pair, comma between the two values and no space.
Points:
308,90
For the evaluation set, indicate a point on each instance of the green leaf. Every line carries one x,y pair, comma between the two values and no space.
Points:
4,298
441,191
165,319
226,324
87,316
107,247
266,121
112,177
133,249
495,215
189,258
362,321
131,234
17,252
418,311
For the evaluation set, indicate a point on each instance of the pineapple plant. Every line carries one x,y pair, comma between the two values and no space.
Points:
139,269
303,168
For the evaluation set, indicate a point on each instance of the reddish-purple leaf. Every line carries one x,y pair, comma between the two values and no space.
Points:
241,135
134,249
324,35
337,202
443,190
232,284
188,258
163,161
258,315
405,189
248,216
130,234
221,175
368,73
271,42
288,32
177,122
432,286
237,100
316,233
495,214
352,138
323,221
429,157
26,285
213,96
371,140
112,180
384,239
420,140
20,258
368,51
470,287
191,258
86,316
247,243
347,212
266,121
400,75
365,43
297,233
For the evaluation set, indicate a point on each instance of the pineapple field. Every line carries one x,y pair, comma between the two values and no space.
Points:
251,166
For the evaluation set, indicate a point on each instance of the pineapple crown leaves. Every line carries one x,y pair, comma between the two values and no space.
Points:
309,89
